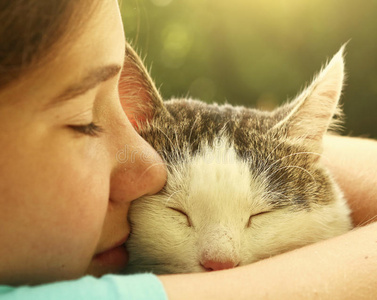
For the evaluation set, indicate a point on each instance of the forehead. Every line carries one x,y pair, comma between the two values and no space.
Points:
191,122
215,184
99,41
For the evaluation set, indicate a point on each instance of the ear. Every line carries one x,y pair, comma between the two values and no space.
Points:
311,113
139,96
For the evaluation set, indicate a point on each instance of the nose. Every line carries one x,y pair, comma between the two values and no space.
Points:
213,265
139,170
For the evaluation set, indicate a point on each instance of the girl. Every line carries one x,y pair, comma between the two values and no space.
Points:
65,193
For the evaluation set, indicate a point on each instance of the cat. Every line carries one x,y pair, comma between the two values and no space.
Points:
243,184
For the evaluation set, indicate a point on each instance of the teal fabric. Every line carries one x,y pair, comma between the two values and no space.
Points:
109,287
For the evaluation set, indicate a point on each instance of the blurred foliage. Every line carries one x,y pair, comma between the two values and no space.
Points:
258,52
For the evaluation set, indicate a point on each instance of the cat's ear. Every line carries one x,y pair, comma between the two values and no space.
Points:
310,115
139,96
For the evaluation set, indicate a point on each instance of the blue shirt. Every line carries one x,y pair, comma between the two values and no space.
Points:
108,287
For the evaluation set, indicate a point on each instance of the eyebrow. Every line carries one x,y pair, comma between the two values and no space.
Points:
90,81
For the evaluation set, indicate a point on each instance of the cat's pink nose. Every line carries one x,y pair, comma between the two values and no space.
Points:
212,265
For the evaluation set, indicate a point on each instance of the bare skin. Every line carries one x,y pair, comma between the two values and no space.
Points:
351,161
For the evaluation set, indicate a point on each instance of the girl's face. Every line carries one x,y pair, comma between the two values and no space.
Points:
64,191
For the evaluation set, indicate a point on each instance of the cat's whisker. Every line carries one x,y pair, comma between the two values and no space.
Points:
281,194
282,197
268,157
150,167
170,196
178,147
273,173
297,153
367,221
167,137
223,129
192,128
169,165
300,168
325,157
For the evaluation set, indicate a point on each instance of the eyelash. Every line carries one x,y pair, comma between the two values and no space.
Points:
90,129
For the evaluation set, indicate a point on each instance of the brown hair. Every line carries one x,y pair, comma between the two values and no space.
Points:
31,31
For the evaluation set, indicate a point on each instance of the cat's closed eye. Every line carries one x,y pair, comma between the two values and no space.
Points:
249,222
181,212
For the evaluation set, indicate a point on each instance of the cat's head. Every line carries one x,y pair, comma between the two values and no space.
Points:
242,184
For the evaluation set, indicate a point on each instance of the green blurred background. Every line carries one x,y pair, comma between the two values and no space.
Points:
258,53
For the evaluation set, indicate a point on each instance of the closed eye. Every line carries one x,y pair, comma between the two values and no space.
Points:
90,129
249,222
189,224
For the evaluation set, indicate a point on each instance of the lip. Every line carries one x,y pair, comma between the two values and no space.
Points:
115,256
116,245
120,243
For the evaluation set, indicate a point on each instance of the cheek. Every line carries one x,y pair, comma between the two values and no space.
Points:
53,210
84,201
79,216
84,190
76,197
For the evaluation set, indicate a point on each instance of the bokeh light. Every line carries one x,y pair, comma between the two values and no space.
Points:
258,53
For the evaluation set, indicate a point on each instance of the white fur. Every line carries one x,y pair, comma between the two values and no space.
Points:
219,193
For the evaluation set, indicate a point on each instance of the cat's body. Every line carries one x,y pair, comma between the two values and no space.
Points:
242,184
